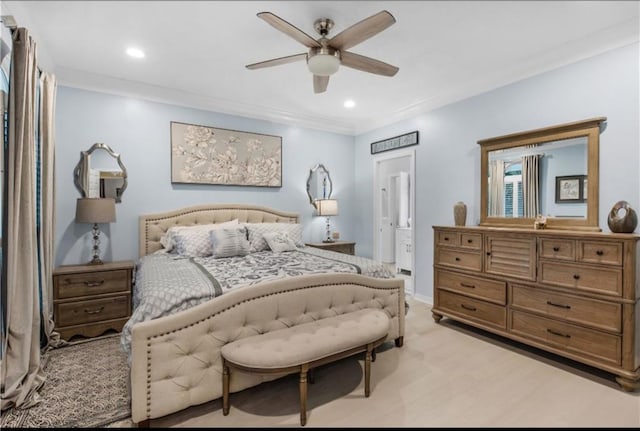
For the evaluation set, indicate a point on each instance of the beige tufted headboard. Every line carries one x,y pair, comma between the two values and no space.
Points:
153,226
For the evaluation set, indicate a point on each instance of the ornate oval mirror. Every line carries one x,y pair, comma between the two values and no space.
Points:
319,185
551,172
100,173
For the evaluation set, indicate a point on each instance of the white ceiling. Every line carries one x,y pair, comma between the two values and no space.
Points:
196,52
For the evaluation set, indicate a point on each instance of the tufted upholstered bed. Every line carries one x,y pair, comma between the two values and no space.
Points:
175,359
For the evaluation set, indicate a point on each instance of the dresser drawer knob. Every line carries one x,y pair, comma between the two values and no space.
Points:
94,283
599,252
468,307
446,238
488,253
470,286
469,241
99,310
568,307
559,334
576,276
457,259
556,248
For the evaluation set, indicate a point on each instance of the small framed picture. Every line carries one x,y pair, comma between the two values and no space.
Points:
571,189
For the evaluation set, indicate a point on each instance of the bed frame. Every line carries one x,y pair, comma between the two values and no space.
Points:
176,361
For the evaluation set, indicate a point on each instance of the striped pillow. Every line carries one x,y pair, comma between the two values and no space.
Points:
229,242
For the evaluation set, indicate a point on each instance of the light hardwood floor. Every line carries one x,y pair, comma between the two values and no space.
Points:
445,375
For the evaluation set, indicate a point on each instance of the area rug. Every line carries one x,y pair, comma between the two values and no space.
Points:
86,387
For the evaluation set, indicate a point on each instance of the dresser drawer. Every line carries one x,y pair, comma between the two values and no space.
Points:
489,290
448,238
598,280
473,309
459,259
567,337
90,283
471,241
609,253
589,312
560,249
94,310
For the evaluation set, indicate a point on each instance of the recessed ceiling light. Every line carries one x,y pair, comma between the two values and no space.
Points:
135,53
349,103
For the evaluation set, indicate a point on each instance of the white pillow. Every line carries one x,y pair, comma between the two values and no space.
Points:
227,242
257,230
279,241
192,240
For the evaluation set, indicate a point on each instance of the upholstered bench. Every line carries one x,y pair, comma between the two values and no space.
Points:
303,347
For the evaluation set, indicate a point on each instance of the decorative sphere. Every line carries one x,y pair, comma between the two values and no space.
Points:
622,218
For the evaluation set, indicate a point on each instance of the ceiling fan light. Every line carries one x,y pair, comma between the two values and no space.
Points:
323,64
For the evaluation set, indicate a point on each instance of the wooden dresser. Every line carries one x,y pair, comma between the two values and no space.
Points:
91,299
571,293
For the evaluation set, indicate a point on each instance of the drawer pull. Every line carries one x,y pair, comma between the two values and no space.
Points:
469,241
599,252
470,286
576,276
559,334
467,307
446,238
94,283
568,307
556,248
488,253
457,259
99,310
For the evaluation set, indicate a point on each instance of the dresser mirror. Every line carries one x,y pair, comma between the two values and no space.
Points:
550,172
100,173
319,185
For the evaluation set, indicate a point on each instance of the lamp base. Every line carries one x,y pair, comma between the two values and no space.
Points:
96,261
328,240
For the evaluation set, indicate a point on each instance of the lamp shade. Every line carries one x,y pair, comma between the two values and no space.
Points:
327,207
95,210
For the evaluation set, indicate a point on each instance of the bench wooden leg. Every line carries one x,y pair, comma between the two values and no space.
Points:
225,388
399,341
367,369
303,394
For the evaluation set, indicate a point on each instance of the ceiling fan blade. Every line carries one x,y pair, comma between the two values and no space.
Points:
320,83
367,64
277,61
361,31
289,29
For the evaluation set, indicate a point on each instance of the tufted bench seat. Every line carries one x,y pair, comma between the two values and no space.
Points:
301,348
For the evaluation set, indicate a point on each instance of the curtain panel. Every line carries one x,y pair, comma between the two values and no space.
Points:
530,185
27,226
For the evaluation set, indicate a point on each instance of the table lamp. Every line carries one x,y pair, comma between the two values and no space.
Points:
96,210
327,208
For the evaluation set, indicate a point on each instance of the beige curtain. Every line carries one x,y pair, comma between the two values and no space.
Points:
47,203
22,373
530,189
496,188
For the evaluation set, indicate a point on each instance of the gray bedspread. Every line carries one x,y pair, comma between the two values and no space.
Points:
168,283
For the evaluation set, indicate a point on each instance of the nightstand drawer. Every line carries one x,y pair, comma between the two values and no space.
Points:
94,310
90,283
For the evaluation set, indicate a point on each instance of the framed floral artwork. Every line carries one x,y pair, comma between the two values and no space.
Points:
209,155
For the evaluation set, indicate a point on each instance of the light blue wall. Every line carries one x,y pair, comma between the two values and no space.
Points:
448,157
139,131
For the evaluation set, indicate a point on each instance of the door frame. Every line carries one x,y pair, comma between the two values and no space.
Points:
397,154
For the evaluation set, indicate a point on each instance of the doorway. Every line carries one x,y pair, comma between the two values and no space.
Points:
394,222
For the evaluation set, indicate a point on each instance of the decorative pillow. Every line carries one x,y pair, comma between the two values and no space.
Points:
257,231
229,242
279,241
168,239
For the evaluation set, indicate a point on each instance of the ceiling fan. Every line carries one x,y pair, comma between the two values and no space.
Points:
326,55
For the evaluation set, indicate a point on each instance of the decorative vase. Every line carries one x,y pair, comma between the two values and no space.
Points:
622,223
460,213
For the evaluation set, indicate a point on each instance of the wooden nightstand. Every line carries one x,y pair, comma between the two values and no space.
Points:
345,247
91,299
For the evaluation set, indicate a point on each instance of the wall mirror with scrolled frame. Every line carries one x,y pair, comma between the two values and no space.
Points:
100,173
319,185
552,172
